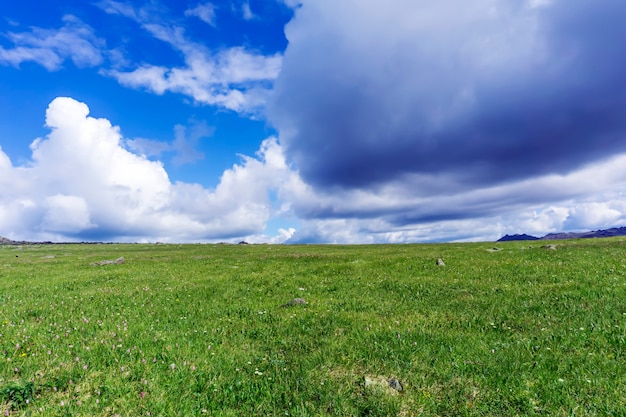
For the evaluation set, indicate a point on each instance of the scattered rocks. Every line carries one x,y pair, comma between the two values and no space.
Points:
549,247
117,261
440,262
295,302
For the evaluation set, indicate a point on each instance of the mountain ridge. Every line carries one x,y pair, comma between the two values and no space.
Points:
614,231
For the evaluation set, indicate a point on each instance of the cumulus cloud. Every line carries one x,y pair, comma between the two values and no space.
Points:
65,214
478,93
596,215
83,184
233,78
50,48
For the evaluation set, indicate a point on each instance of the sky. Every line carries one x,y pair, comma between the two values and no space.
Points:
311,121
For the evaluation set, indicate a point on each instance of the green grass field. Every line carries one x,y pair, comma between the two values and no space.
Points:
195,330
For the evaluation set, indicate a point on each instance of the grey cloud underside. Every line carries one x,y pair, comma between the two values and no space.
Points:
356,116
472,204
113,234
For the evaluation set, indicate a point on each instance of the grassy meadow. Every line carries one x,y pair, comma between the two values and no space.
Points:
200,330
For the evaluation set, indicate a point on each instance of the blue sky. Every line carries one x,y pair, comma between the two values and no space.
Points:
287,121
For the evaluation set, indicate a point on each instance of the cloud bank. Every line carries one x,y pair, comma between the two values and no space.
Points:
408,120
83,184
479,93
84,181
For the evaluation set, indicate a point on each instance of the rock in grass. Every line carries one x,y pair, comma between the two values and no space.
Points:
549,247
117,261
395,384
440,262
389,386
295,302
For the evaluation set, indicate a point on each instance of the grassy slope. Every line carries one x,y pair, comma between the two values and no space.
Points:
198,329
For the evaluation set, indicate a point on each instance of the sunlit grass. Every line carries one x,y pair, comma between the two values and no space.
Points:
192,330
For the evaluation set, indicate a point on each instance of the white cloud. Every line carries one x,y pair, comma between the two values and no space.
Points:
540,222
65,214
204,12
5,162
596,215
82,183
232,78
51,47
119,8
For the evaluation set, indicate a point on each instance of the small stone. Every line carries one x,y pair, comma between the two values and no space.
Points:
395,384
440,262
549,247
118,261
295,302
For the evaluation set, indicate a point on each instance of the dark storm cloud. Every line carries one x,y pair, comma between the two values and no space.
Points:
485,92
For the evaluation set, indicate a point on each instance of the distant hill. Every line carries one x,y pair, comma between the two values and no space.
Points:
507,238
615,231
5,241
